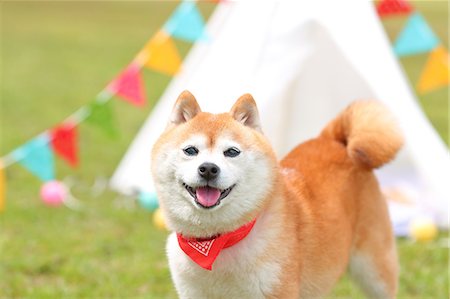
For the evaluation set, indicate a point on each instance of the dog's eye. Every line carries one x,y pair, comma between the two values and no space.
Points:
191,151
231,152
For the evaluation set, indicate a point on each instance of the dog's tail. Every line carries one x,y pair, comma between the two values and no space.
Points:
369,131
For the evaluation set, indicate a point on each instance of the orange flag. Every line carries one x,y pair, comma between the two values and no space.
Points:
160,54
2,188
436,71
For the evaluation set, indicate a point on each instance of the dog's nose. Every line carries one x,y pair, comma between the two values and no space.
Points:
208,171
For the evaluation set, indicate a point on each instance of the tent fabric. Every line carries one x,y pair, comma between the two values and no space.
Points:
303,61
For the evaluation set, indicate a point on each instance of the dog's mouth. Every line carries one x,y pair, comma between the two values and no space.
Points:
206,196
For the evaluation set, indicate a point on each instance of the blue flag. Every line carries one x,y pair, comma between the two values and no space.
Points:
37,157
417,37
186,23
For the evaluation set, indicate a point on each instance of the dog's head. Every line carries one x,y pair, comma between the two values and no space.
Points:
212,172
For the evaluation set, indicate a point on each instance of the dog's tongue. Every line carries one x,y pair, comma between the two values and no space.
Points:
207,196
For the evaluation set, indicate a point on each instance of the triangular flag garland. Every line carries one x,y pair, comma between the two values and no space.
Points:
186,23
64,142
37,157
2,187
129,86
436,71
160,54
101,115
417,37
393,7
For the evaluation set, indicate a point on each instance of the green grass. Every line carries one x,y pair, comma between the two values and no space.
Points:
55,57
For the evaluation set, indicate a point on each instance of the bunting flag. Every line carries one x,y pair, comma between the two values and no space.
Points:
160,54
37,157
436,71
186,23
2,187
64,142
387,8
129,86
101,115
417,37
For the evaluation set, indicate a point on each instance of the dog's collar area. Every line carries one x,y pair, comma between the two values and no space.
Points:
204,251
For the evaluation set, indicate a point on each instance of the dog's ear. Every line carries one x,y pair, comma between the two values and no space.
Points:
185,108
246,112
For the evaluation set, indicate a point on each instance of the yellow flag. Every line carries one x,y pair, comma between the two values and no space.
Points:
160,54
2,188
436,71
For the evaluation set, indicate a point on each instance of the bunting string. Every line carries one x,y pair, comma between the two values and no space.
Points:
159,54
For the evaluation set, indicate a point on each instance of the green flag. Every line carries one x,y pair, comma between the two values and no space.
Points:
101,115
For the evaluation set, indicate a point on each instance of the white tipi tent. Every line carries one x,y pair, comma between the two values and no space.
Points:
303,61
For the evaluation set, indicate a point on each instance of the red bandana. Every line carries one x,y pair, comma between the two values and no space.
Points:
205,251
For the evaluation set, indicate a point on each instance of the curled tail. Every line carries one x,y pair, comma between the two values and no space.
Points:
369,131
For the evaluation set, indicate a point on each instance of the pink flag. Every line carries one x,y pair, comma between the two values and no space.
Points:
128,85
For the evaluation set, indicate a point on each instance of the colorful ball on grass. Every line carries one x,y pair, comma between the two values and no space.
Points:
148,200
423,230
53,193
158,220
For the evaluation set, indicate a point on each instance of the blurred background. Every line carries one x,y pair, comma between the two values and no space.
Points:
55,58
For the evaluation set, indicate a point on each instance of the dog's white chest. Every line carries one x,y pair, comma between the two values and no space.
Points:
238,272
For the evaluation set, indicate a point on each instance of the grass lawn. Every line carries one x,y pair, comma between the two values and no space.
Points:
55,57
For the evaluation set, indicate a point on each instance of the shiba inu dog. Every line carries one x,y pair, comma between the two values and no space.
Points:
248,226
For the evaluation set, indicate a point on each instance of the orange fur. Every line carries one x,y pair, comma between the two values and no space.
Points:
369,132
